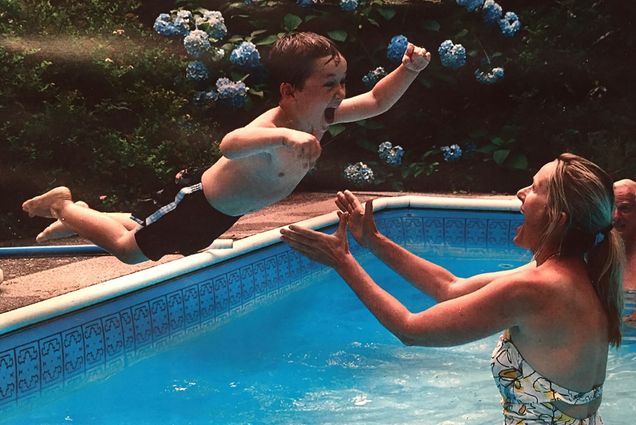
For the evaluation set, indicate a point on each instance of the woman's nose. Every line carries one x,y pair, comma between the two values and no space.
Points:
521,193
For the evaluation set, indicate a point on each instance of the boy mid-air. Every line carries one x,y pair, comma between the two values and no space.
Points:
262,162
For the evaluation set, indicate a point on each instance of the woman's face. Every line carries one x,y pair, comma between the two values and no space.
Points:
534,203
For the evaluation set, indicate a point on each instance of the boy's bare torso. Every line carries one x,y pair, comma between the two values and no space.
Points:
239,186
249,182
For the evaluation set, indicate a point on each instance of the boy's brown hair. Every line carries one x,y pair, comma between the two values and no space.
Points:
292,56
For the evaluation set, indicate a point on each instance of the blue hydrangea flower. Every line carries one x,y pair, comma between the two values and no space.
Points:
213,23
390,154
305,3
397,47
491,12
452,55
471,5
196,43
348,5
358,173
510,24
245,55
233,93
373,77
452,152
184,22
197,71
491,77
163,26
201,98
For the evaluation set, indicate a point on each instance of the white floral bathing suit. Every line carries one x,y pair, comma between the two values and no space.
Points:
528,396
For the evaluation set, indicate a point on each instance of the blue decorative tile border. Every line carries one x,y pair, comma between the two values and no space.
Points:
458,233
86,345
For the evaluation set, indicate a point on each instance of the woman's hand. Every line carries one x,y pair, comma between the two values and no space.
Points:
331,250
361,222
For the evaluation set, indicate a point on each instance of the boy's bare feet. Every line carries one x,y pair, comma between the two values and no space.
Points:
41,205
57,229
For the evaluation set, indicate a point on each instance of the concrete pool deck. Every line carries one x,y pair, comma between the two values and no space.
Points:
32,279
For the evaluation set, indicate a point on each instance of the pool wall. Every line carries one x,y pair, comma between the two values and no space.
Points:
86,335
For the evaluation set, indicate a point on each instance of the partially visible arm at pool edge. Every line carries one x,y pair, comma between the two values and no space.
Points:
457,321
430,278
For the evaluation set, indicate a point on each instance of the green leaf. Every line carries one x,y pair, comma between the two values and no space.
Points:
497,141
373,22
267,41
291,22
235,39
338,35
462,33
257,93
499,156
371,125
257,32
518,162
487,149
336,129
367,145
431,25
387,14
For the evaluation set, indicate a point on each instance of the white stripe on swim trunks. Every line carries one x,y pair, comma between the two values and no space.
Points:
172,205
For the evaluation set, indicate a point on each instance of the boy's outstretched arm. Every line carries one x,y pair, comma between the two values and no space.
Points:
387,91
253,140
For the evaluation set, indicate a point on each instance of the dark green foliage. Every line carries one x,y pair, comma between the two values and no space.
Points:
93,98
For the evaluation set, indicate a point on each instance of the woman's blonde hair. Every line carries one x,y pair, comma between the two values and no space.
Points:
584,191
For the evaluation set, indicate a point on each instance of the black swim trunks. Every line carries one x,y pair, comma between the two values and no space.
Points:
155,200
184,226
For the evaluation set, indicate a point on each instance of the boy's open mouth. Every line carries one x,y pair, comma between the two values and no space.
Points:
329,115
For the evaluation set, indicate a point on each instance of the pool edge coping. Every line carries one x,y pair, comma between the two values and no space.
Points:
13,320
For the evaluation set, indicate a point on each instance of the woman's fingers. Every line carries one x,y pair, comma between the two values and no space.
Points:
297,241
304,232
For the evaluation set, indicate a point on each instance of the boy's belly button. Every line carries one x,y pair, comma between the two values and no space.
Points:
281,174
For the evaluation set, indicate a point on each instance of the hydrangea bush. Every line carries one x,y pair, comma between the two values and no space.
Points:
163,103
396,48
452,55
390,154
372,77
359,174
200,31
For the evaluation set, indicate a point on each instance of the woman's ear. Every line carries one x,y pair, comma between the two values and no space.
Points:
286,90
564,218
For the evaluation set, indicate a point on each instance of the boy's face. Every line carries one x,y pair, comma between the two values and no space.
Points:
625,208
323,90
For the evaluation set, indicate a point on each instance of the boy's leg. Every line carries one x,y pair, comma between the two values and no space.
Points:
59,230
95,226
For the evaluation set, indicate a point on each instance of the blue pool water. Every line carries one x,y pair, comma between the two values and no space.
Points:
314,356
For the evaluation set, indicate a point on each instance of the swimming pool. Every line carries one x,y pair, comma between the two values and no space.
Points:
274,338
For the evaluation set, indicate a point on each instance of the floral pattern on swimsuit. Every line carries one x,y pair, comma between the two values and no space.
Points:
528,396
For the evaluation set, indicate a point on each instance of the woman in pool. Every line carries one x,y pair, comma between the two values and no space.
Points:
558,314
